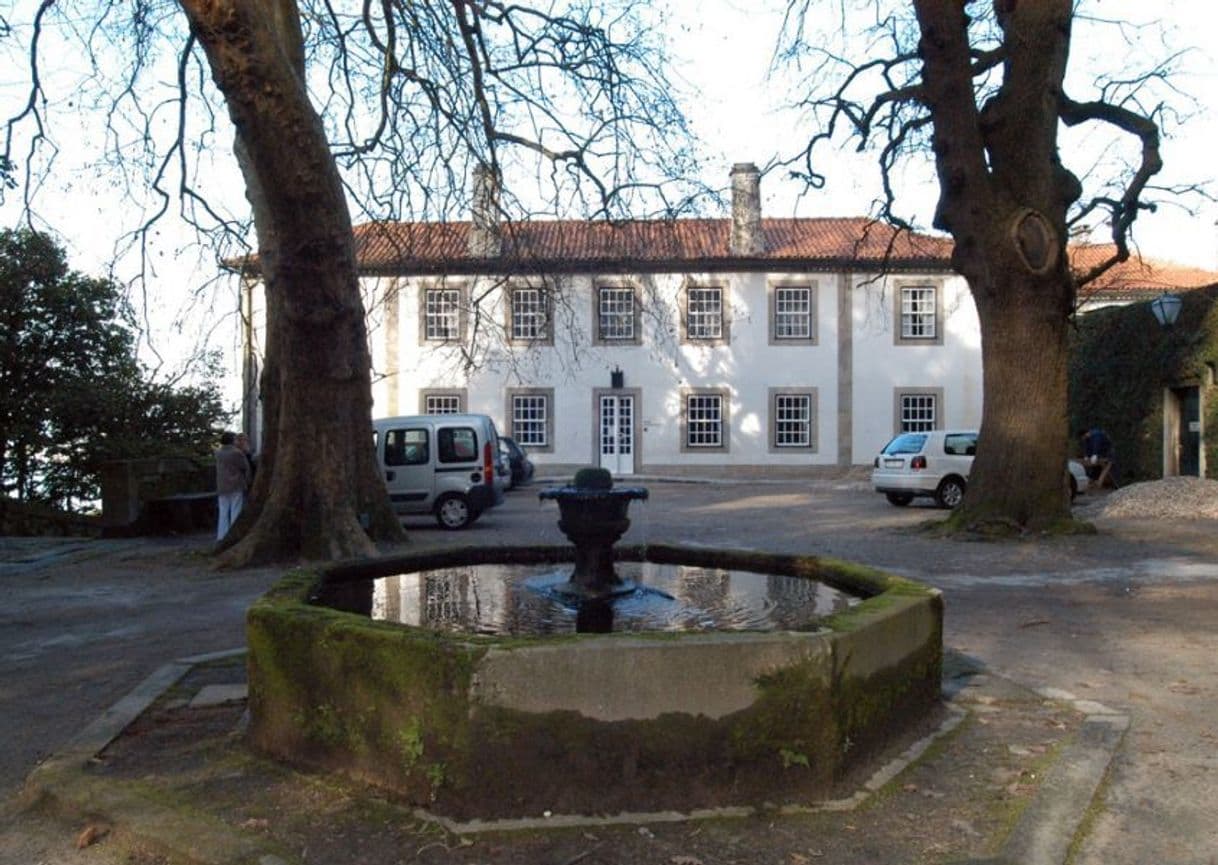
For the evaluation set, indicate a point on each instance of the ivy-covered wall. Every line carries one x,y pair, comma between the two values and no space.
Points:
1121,361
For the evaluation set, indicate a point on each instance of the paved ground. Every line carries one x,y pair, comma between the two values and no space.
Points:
1125,618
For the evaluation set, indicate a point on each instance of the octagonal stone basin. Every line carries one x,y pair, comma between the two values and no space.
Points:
477,727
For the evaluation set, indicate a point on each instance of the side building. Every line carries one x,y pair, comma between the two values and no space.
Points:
750,345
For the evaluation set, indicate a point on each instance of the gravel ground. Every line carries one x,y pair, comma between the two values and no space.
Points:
1124,617
1171,498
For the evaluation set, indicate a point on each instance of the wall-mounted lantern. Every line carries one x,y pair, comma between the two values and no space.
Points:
1166,308
617,378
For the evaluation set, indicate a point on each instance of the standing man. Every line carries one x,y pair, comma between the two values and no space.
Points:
232,480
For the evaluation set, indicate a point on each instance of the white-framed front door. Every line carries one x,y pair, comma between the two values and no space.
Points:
616,418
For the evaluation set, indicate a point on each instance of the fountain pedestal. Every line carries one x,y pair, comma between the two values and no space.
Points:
594,520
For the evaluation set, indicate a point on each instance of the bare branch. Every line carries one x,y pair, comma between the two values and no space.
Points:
7,163
1123,210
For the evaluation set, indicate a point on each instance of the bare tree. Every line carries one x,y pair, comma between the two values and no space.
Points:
985,96
381,105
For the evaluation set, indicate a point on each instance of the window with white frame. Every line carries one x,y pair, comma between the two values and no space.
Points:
919,312
791,420
703,312
443,402
705,421
531,419
919,412
793,312
616,314
530,315
442,314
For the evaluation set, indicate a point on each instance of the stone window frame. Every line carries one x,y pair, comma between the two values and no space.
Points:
725,416
899,289
462,313
547,301
460,393
772,290
812,395
547,394
636,308
724,336
898,399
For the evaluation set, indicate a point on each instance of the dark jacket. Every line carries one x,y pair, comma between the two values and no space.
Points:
232,470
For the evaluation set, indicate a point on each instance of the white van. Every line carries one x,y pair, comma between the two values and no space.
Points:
441,464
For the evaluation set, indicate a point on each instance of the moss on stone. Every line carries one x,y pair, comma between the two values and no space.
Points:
392,705
331,689
792,723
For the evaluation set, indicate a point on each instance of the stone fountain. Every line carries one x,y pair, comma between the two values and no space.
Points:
476,727
592,514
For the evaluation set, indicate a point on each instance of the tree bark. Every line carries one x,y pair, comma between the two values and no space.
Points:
1003,197
318,494
1019,477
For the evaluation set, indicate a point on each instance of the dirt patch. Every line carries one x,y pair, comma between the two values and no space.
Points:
958,801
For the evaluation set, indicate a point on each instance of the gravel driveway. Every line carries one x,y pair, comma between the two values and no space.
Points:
1125,616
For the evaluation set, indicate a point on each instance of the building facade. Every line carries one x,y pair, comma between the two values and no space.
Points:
786,347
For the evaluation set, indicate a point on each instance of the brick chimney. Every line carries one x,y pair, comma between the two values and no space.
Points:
747,237
485,240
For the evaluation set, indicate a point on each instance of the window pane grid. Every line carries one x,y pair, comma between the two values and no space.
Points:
617,425
528,314
616,313
793,313
704,421
918,412
705,313
441,313
793,420
529,420
918,312
442,404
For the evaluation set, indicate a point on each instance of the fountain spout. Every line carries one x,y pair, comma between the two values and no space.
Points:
592,514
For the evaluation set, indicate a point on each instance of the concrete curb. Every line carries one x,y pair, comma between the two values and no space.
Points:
1050,825
62,786
1043,835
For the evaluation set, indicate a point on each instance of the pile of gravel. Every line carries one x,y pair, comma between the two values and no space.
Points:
1173,498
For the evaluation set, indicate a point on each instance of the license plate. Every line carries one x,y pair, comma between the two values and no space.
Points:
893,464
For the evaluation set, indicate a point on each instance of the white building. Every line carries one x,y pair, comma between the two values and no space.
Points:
679,347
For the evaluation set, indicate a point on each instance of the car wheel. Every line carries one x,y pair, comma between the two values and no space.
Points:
899,499
950,493
1073,487
453,512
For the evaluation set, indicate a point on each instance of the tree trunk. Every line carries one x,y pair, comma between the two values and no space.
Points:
317,486
1019,478
1004,196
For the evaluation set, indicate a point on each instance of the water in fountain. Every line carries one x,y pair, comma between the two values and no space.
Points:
599,594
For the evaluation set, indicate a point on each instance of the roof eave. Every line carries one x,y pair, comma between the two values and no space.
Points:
504,267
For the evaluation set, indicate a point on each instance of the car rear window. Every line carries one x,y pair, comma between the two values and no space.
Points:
960,444
908,443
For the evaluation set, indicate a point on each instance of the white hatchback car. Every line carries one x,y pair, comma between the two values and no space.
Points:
937,463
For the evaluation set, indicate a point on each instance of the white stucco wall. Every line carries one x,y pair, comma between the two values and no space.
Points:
662,366
883,367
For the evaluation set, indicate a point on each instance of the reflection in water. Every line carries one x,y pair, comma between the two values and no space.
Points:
520,599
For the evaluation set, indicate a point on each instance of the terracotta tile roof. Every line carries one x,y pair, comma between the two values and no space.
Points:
684,244
1136,278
